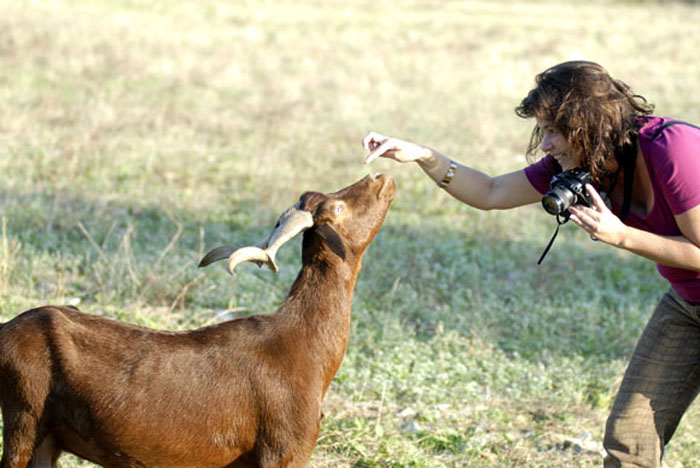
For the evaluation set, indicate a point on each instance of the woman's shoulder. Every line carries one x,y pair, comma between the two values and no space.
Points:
650,127
653,129
665,141
671,150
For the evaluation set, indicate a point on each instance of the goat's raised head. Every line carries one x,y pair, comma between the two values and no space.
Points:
340,224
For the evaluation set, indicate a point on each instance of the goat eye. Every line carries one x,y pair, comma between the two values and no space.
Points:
338,209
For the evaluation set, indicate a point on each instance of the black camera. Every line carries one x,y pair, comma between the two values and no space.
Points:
567,188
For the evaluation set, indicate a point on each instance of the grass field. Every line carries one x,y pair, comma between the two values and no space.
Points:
136,135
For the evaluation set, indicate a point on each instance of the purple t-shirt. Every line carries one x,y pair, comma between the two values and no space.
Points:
673,163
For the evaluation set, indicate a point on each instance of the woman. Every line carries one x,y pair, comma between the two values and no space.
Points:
650,169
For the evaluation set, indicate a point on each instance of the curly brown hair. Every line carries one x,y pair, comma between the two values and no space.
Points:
598,115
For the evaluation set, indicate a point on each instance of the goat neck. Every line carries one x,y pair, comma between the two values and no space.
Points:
345,223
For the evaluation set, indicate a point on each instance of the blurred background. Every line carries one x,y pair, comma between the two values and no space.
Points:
136,135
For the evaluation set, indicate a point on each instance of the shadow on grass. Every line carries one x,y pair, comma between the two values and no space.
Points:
112,252
446,310
422,276
586,300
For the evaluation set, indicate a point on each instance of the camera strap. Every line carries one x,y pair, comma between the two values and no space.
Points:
556,232
629,164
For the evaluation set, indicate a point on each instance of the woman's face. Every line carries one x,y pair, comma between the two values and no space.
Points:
554,143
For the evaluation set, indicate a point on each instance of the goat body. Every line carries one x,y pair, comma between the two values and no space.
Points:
243,393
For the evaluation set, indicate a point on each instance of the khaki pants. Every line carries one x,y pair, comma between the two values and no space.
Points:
662,379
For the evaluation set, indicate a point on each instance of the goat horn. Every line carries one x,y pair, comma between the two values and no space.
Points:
290,223
236,256
251,254
293,221
214,255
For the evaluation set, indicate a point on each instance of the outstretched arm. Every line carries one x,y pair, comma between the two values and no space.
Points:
468,185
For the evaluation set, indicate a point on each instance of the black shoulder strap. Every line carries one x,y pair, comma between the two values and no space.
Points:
629,163
670,123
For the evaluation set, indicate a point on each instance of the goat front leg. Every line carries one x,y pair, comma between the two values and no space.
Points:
306,448
46,454
301,454
19,438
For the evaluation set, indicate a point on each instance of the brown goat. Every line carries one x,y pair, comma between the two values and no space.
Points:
243,393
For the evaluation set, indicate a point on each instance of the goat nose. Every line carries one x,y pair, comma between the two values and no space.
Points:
374,176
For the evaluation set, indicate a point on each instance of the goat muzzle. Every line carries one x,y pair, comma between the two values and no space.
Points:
293,221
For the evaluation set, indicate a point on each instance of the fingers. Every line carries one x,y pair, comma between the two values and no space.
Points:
379,151
379,145
392,148
599,223
376,144
581,217
374,154
372,140
586,222
595,196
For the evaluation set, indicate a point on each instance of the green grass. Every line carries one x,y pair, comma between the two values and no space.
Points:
134,136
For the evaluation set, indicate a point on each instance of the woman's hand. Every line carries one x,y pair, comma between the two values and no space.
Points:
681,251
399,150
598,221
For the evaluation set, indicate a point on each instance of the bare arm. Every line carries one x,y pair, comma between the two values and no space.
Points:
674,251
468,185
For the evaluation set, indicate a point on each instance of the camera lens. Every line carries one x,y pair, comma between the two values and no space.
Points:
557,200
553,204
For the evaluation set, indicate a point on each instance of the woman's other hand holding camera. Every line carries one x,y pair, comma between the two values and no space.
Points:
598,221
681,251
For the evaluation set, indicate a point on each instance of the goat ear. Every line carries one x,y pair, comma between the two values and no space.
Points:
332,240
